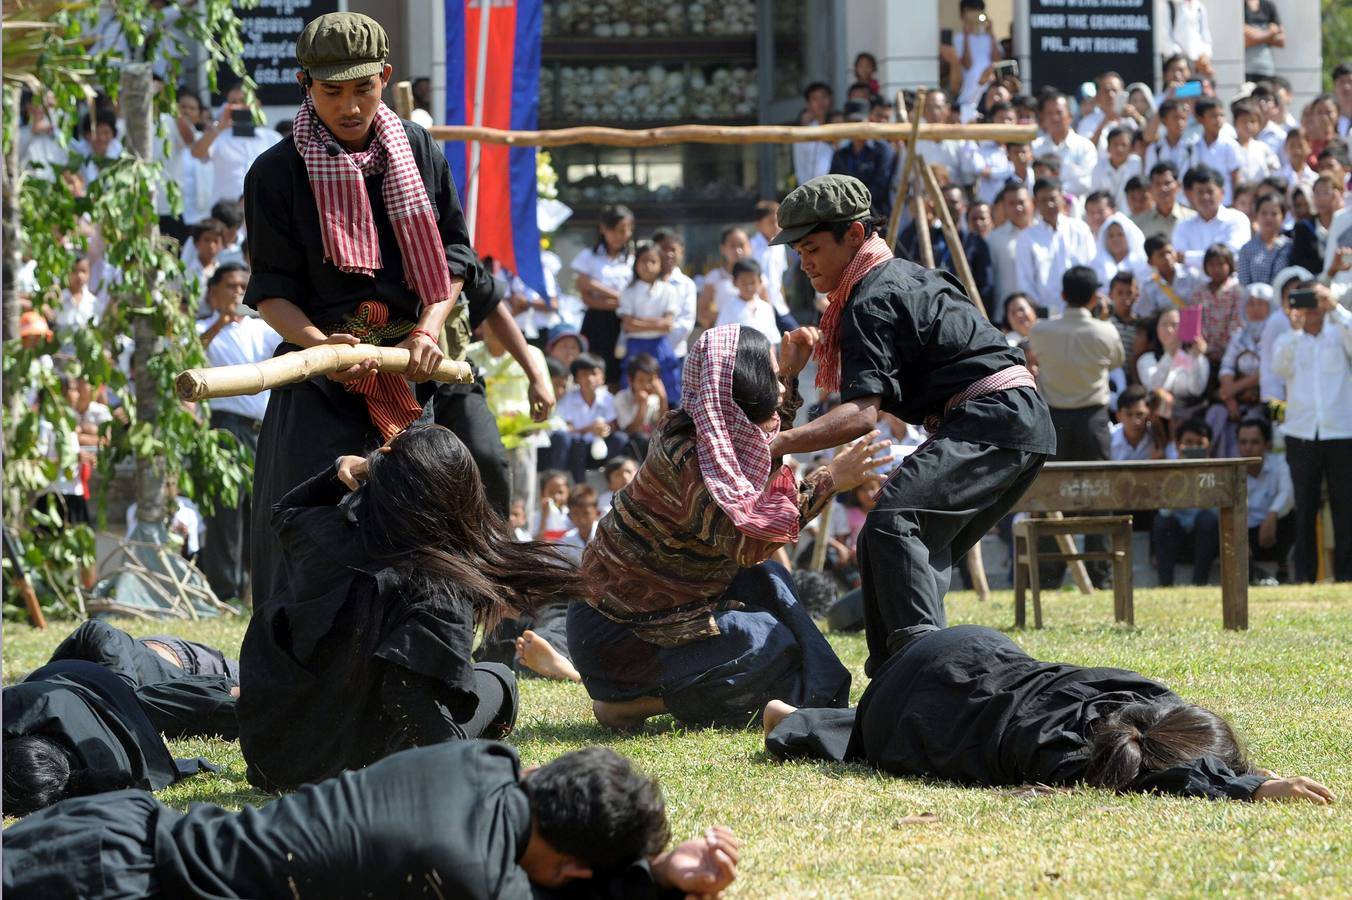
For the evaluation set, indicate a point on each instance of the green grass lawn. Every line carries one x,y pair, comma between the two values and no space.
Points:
829,831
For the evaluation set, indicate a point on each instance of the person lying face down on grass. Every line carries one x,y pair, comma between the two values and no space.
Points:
91,720
458,819
391,562
966,704
684,614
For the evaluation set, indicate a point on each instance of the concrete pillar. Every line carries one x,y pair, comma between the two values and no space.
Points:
1227,44
904,37
1302,59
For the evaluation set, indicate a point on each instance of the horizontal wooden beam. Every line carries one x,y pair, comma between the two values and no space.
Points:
736,134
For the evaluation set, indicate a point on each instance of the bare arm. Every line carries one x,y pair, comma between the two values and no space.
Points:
596,295
849,420
541,389
291,322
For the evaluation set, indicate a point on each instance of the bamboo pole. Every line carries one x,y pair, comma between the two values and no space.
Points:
823,539
922,229
904,184
737,134
302,365
403,99
953,236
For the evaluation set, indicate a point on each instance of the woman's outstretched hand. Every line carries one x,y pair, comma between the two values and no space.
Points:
352,471
1294,788
859,462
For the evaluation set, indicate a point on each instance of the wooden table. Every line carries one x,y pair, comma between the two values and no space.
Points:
1081,487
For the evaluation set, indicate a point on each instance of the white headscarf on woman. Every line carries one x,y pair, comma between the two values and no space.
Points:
1104,263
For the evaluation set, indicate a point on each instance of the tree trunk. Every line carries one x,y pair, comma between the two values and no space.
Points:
137,102
13,258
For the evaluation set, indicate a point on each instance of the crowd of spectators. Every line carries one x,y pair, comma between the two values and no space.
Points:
1154,253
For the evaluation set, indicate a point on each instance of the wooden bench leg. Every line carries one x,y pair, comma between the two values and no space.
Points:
1122,577
1020,580
1034,575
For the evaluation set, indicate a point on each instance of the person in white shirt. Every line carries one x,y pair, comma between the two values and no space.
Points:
986,161
1168,283
1342,91
1214,222
1131,437
1271,386
536,313
975,50
1175,146
1215,150
1256,159
647,311
750,308
773,260
231,338
1315,361
588,412
1180,372
1272,528
1338,255
1049,246
1003,243
1077,155
80,307
1116,167
1121,248
98,142
229,154
208,239
813,158
1190,34
1110,112
948,154
673,254
585,514
719,293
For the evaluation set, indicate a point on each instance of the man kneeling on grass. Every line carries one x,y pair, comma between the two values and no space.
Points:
457,819
966,704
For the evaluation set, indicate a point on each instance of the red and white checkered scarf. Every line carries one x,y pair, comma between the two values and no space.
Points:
872,253
734,452
345,219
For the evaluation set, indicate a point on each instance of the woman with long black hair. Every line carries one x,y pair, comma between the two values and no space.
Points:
391,561
966,704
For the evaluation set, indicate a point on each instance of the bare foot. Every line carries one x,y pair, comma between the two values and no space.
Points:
538,655
776,711
626,715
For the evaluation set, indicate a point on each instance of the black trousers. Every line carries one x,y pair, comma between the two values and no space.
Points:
309,425
934,508
1312,463
1171,537
100,643
1082,435
601,328
225,553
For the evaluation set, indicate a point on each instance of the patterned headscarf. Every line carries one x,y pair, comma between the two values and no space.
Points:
872,253
734,452
346,221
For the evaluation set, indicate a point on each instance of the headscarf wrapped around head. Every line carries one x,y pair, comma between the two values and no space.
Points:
1135,260
1257,291
733,451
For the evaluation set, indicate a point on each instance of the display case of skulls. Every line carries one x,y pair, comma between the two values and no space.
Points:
648,18
622,93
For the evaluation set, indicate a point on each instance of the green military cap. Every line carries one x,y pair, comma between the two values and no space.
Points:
827,198
342,46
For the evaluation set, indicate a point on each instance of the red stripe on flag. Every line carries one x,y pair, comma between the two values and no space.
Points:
493,229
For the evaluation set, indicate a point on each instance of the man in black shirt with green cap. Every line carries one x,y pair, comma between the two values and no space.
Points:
356,235
902,339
